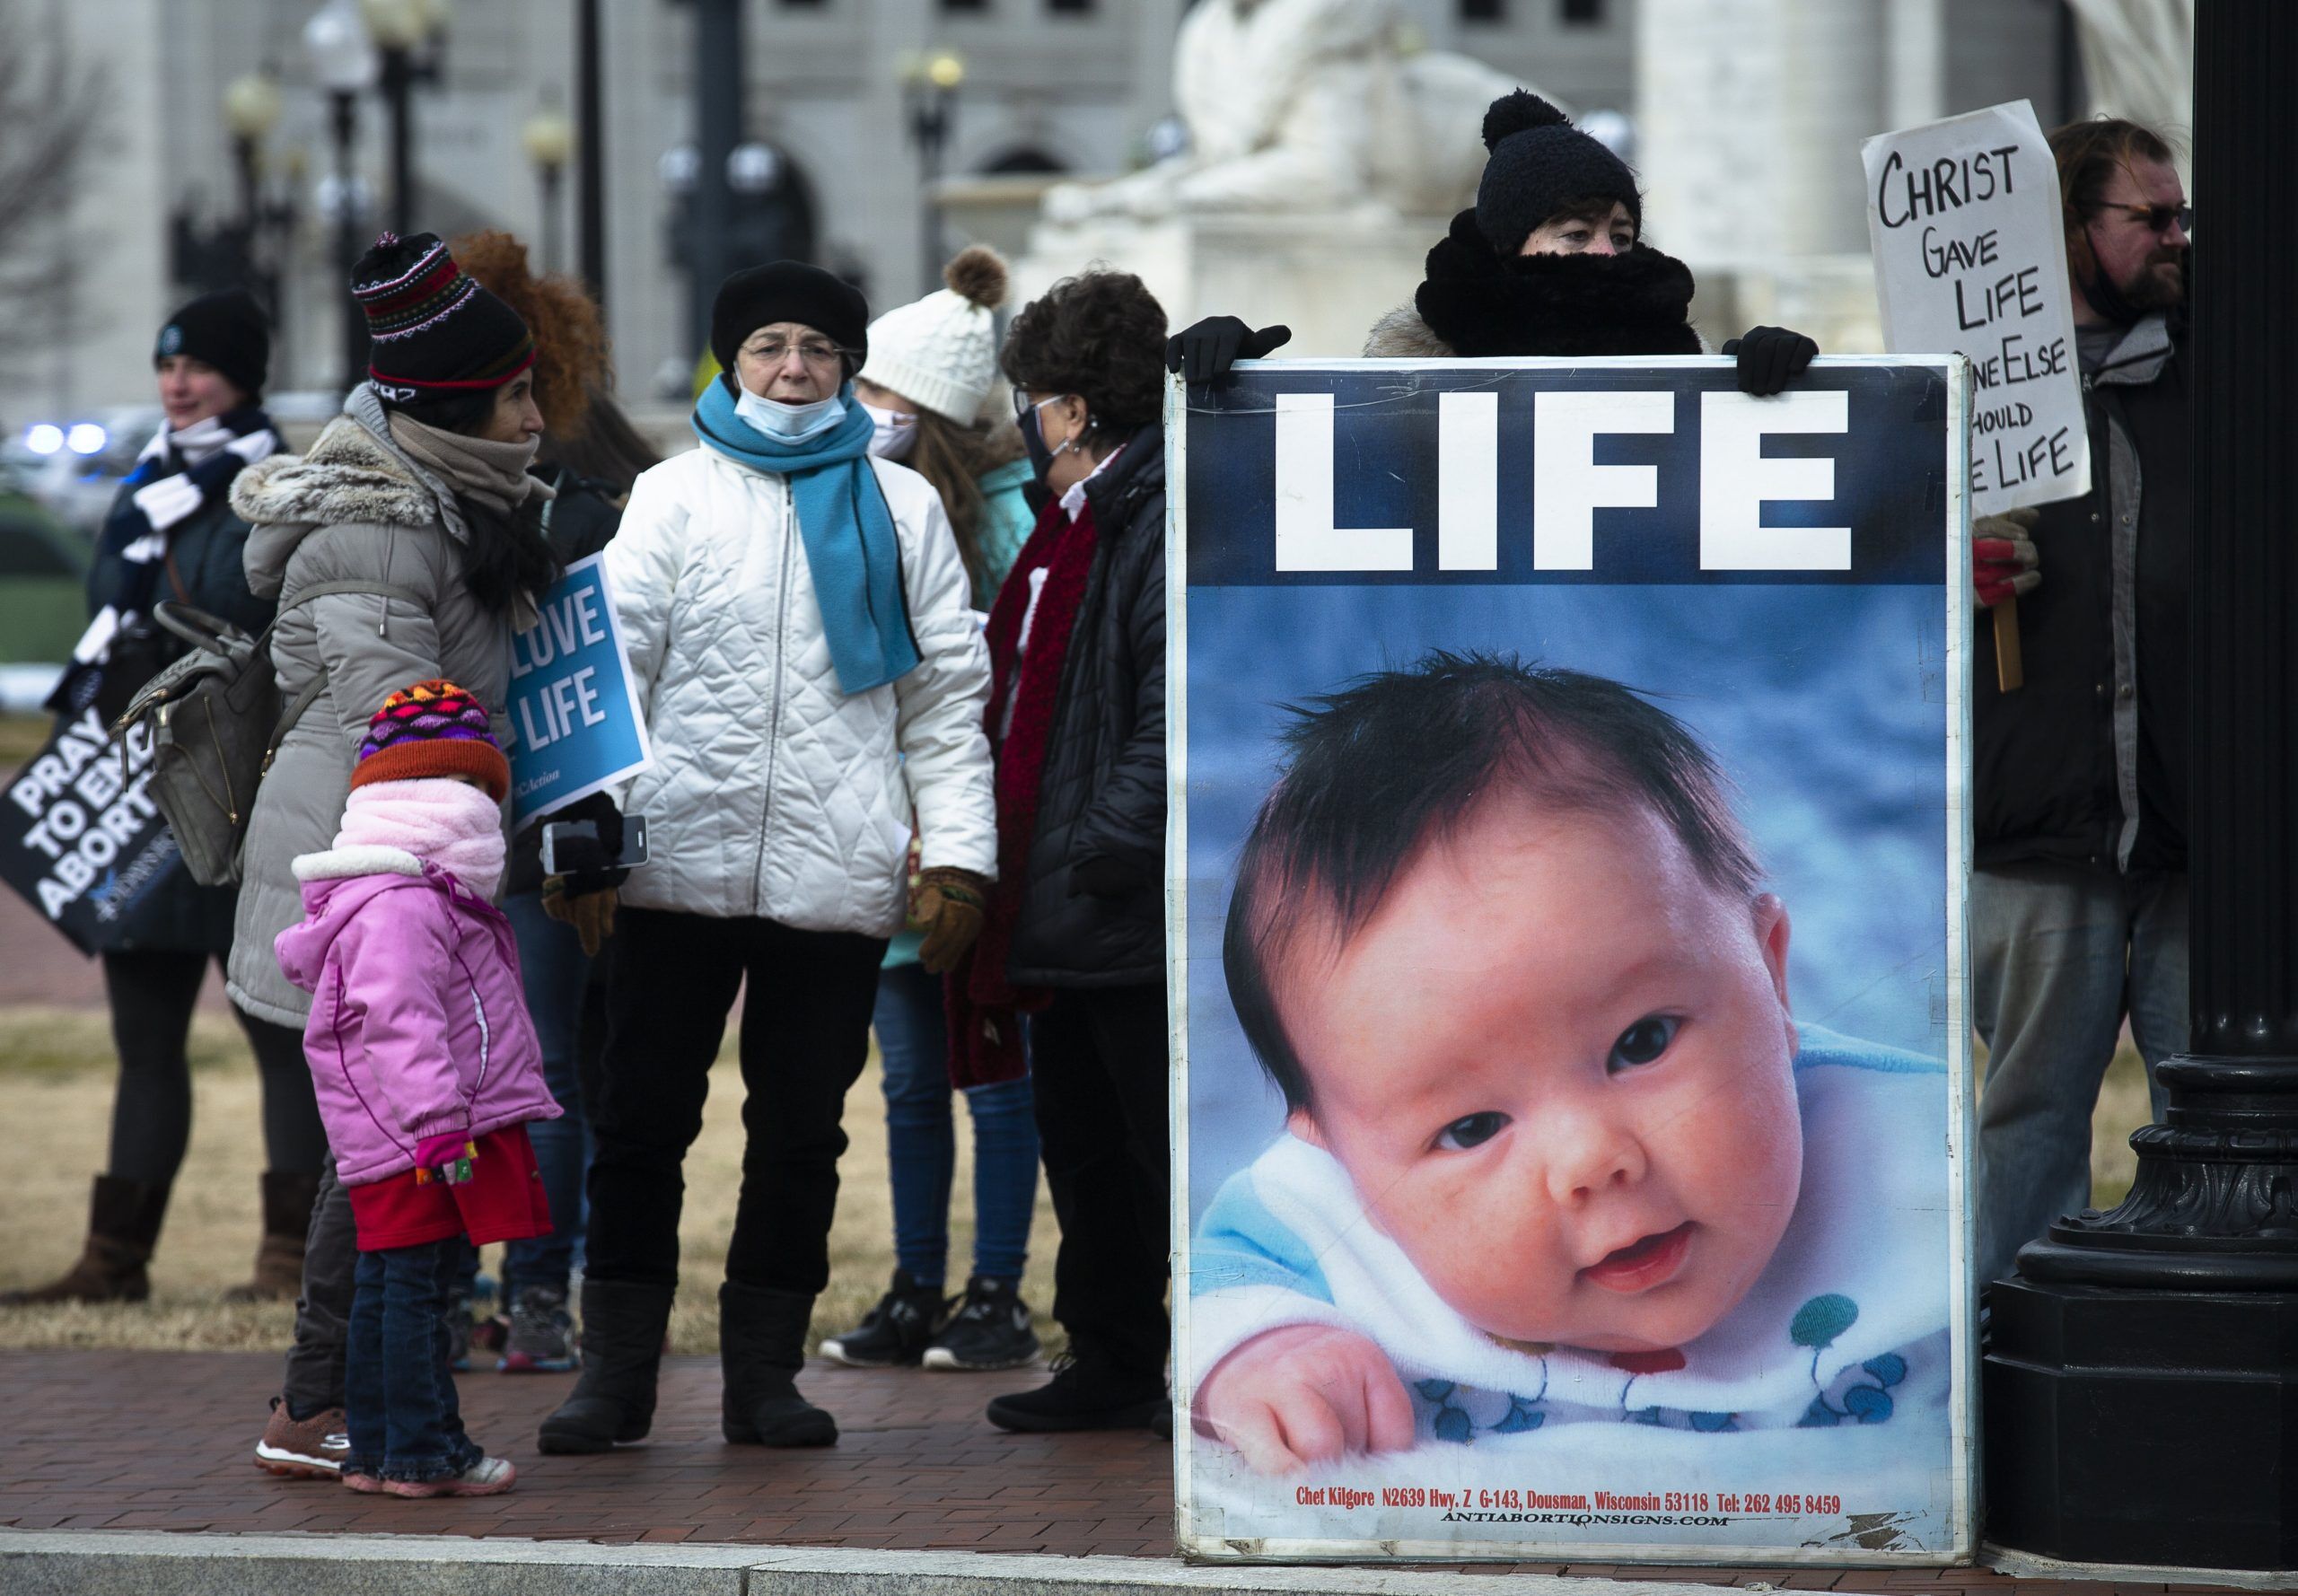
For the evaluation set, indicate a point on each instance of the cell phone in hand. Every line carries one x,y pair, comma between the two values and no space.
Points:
566,838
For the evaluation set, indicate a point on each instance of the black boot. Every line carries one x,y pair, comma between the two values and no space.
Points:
761,1346
613,1403
1086,1392
123,1227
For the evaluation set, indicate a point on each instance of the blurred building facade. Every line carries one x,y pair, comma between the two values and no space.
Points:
1748,117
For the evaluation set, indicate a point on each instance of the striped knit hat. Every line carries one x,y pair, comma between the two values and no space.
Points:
435,331
432,729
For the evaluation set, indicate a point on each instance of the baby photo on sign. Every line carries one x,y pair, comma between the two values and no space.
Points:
1557,1150
1573,1070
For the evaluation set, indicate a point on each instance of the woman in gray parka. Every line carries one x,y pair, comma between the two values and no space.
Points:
414,508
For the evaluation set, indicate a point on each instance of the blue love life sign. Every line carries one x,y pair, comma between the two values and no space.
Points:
575,721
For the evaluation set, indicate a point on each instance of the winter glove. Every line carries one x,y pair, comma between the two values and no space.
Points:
444,1158
2003,561
1204,351
592,913
949,904
1101,876
1771,358
587,866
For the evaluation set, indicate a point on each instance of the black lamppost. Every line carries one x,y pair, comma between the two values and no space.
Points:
343,61
590,112
930,85
232,252
2141,1375
411,37
548,138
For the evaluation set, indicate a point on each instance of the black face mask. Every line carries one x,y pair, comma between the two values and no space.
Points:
1033,442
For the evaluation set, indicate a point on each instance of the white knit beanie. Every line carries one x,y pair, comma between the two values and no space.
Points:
941,353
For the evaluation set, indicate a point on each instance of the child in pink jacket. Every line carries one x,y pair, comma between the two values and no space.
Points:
428,1070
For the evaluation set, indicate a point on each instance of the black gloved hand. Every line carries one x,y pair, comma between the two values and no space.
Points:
1771,358
588,867
1204,351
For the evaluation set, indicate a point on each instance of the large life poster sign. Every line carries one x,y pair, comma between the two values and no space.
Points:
1572,1071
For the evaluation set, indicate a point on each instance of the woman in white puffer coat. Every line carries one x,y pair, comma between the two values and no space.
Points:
813,679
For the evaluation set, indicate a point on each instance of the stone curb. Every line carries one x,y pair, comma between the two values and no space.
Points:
69,1563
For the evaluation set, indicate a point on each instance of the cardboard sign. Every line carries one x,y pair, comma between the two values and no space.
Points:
1970,256
1565,899
575,724
80,838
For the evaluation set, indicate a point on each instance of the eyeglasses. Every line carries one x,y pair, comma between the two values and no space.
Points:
2158,217
813,351
1023,403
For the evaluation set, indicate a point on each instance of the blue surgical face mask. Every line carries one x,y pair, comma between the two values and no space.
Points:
789,424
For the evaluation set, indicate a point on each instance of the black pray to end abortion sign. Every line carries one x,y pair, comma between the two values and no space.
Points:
80,837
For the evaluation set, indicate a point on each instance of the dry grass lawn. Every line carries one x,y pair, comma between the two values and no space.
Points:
56,1081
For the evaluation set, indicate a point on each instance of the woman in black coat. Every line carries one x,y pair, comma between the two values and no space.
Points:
171,536
1076,930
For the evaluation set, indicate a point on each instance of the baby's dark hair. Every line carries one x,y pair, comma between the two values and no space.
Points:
1398,757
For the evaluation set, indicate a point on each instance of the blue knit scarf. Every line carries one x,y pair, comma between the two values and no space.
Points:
851,550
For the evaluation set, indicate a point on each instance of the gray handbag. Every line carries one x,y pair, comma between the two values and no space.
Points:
216,724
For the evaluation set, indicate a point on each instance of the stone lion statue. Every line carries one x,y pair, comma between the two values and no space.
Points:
1306,105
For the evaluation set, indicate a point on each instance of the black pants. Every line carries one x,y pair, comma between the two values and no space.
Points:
806,1036
153,991
1098,1066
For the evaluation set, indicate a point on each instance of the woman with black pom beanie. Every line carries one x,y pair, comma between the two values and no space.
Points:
1550,261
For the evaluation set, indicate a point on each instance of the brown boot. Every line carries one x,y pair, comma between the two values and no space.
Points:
122,1225
287,1199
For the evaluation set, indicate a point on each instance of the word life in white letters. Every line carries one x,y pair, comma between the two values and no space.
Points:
1736,478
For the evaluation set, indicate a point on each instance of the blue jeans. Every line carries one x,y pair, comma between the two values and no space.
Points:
2059,954
556,971
921,1139
398,1395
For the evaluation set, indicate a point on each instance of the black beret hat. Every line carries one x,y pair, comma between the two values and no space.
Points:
1540,164
787,291
227,330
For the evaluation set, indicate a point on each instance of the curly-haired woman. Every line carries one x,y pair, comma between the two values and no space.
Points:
931,369
1076,932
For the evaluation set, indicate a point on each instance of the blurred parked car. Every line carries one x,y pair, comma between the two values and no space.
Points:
74,466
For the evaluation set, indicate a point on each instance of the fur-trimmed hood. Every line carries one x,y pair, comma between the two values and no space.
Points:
353,474
1475,305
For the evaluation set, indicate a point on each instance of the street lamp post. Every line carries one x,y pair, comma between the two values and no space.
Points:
398,28
343,61
550,139
251,110
930,85
2141,1373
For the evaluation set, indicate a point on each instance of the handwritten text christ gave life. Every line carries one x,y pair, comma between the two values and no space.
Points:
1993,295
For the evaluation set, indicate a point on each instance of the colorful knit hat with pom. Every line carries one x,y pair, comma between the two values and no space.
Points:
433,330
432,729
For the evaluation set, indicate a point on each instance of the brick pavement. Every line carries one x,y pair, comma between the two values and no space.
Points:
163,1440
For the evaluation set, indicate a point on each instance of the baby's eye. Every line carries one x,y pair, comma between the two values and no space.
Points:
1644,1041
1472,1130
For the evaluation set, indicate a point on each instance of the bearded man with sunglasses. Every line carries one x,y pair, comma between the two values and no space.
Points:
2078,906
